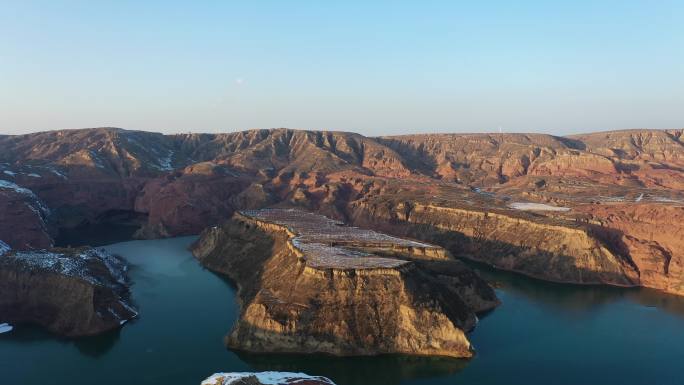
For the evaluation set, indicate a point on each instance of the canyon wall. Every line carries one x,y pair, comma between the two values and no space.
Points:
73,293
544,248
290,306
615,186
653,234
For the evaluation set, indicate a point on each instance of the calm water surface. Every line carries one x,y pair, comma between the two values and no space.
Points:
542,334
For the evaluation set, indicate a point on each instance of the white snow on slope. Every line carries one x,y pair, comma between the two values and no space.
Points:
666,200
536,207
96,159
5,327
13,186
165,163
58,173
41,209
4,247
74,265
267,378
611,199
85,264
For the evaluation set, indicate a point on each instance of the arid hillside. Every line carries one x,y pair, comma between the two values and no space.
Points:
571,209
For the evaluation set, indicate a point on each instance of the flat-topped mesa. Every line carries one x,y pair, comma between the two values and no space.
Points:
328,244
557,250
71,292
300,295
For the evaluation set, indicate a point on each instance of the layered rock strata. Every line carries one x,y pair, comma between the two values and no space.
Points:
620,244
554,250
587,199
652,234
23,217
309,284
71,292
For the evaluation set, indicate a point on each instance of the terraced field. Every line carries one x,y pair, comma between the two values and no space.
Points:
327,243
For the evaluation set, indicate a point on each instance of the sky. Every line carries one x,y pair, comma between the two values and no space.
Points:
372,67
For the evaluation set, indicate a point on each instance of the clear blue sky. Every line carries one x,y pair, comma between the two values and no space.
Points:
374,67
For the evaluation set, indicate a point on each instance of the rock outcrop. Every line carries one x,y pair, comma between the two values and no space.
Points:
652,234
71,292
553,250
23,217
187,201
309,284
265,378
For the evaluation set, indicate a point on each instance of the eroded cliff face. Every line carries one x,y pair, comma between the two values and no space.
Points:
187,201
304,296
653,234
23,217
544,248
71,292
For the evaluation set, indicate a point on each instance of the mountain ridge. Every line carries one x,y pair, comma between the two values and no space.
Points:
179,184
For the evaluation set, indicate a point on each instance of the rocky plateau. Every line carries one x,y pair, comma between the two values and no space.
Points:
310,284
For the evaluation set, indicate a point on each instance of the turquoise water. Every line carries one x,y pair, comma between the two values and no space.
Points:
542,334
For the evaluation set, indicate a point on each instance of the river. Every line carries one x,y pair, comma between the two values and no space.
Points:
543,333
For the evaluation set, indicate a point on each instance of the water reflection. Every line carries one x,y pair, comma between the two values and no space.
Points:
386,369
670,303
94,346
576,298
98,346
542,333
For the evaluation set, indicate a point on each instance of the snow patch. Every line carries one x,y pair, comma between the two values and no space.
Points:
536,207
42,210
5,327
96,159
667,200
13,186
4,247
611,199
129,308
266,378
165,163
483,193
59,174
34,175
73,265
82,264
10,173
